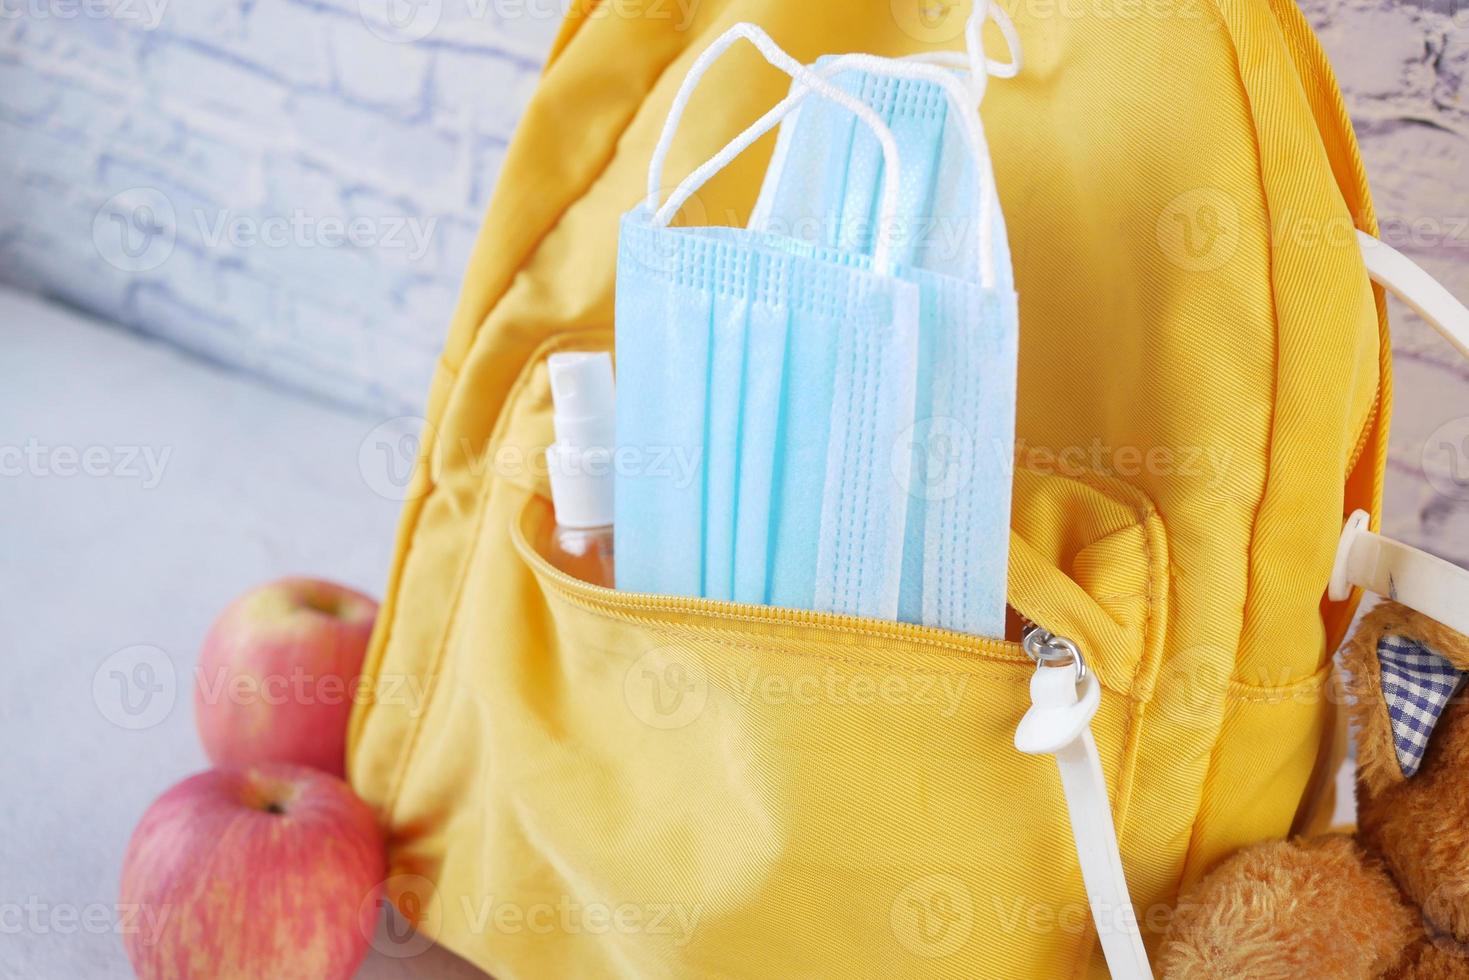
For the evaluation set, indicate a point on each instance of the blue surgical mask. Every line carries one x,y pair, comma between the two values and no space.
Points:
823,186
788,376
870,473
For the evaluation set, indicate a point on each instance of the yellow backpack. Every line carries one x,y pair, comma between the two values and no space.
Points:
599,784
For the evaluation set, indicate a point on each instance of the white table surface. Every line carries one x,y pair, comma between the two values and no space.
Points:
256,483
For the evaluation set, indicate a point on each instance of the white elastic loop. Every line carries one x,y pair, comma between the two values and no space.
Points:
973,35
981,68
973,134
808,81
1412,284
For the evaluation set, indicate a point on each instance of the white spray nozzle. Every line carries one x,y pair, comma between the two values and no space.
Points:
581,389
584,413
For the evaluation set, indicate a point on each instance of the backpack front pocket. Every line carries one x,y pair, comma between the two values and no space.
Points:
612,784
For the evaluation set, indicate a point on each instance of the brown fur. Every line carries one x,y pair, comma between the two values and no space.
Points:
1391,902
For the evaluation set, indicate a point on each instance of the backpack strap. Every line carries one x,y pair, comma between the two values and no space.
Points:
1411,283
1424,583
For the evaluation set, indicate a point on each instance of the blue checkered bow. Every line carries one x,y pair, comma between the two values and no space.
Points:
1417,684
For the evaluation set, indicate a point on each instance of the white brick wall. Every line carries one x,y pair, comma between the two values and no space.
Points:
261,129
1404,67
286,186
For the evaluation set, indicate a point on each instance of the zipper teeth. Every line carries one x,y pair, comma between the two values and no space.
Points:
616,599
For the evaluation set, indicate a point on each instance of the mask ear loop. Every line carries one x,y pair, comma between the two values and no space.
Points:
807,82
984,177
973,58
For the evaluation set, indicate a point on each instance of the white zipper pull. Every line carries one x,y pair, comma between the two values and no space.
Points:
1064,698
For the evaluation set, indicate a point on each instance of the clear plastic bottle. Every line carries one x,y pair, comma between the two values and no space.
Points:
579,463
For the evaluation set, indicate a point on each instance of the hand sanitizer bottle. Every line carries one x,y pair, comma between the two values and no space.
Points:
580,465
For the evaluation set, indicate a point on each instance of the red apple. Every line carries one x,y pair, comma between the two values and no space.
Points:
267,872
279,672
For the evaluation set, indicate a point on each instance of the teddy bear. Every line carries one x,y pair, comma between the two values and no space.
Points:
1391,900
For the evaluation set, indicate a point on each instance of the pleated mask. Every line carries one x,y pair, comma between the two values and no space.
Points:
786,376
822,190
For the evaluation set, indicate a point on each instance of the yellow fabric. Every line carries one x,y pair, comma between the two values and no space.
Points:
579,783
